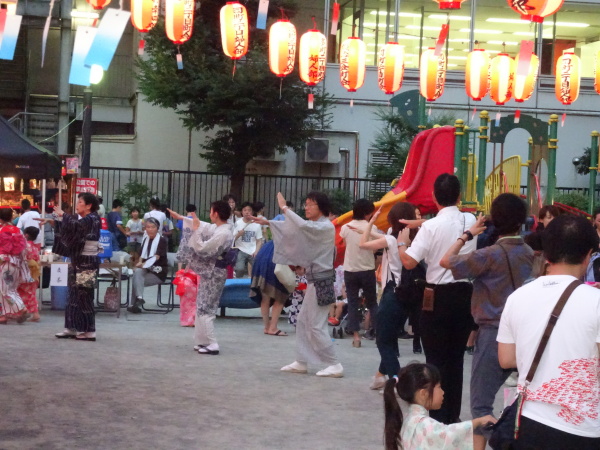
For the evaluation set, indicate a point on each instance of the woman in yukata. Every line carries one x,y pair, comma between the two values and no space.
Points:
419,385
80,242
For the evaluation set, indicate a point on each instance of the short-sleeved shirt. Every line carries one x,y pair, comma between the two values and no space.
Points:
27,220
135,226
114,218
565,392
158,215
356,259
492,282
247,242
434,239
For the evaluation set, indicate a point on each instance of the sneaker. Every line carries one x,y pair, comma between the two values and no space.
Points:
335,371
295,367
512,380
333,321
377,382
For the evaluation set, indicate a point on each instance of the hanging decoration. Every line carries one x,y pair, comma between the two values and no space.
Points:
445,4
10,24
502,74
597,73
568,77
282,47
179,20
535,10
353,54
390,67
98,4
234,30
312,58
525,83
261,18
477,74
144,15
432,76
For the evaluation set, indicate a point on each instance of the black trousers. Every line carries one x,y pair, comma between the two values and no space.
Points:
444,333
356,281
537,436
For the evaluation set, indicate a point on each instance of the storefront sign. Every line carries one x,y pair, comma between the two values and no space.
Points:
72,165
86,185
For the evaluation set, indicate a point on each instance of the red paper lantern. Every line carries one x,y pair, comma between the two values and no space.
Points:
179,20
477,74
502,75
432,77
390,67
568,78
525,85
353,64
313,57
535,10
144,14
282,47
597,73
98,4
234,30
445,4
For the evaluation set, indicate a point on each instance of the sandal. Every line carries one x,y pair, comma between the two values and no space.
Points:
278,333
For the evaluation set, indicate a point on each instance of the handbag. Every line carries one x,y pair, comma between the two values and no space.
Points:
227,258
112,300
506,431
325,291
286,277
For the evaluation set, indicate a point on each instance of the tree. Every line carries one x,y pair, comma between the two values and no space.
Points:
248,111
582,165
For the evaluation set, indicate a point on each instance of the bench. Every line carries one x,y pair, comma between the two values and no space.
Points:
236,294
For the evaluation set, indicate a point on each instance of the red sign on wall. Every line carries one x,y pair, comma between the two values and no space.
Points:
86,185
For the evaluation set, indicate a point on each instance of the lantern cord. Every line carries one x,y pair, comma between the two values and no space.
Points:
233,71
314,22
283,14
280,86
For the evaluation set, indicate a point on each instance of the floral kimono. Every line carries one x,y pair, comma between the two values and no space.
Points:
13,270
28,290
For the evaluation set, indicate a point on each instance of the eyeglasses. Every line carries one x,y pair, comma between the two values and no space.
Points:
306,205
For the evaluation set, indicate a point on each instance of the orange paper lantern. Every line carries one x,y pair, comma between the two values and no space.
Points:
234,30
353,64
535,10
477,74
445,4
98,4
568,78
179,20
144,14
502,75
597,73
525,84
390,67
313,57
432,77
282,47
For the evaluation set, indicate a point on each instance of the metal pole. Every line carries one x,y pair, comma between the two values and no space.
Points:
64,88
552,148
86,133
593,170
459,132
422,100
484,119
530,170
464,166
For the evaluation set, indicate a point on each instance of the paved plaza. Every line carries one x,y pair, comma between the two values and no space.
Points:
141,386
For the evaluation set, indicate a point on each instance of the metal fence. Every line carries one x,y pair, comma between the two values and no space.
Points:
178,188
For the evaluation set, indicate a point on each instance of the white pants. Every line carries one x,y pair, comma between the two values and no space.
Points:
204,331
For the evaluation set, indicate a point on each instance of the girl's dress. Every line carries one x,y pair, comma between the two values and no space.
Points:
421,432
297,298
187,282
264,281
28,290
13,271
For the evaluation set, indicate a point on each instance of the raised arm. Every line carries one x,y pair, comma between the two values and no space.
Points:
477,228
365,239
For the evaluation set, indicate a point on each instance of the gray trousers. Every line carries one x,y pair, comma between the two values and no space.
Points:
141,278
313,343
487,377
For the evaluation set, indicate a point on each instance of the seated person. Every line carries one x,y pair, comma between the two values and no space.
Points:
152,268
336,310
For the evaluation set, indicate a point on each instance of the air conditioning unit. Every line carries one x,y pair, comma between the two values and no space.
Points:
274,157
320,150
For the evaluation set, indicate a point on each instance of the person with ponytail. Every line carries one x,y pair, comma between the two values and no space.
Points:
419,385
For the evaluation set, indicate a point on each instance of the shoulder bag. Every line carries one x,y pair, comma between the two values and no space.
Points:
506,431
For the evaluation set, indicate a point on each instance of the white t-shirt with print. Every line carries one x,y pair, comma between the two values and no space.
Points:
565,391
247,242
356,259
27,220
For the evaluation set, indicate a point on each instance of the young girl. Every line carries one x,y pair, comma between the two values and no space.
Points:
135,232
419,385
28,290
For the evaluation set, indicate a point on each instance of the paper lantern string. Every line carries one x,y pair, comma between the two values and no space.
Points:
335,18
280,86
311,100
141,46
179,58
517,116
263,9
563,119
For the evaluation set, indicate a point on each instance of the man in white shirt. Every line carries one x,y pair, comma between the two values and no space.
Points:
156,213
248,239
562,403
30,219
359,268
446,320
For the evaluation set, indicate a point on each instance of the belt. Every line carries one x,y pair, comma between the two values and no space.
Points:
91,248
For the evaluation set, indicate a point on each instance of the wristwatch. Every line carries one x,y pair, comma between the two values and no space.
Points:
400,244
469,235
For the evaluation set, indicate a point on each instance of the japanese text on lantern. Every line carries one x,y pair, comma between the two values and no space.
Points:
316,69
565,75
522,6
239,26
440,76
344,64
291,50
381,68
188,19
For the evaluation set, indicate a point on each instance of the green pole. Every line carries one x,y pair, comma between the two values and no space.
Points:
529,163
484,119
593,170
422,113
464,166
552,148
459,132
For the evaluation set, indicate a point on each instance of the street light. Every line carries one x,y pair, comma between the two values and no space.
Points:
96,74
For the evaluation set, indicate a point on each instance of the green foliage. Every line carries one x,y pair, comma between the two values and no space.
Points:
135,194
574,199
583,166
394,141
250,111
341,200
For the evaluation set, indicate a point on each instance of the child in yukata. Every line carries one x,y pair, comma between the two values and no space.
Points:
419,386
